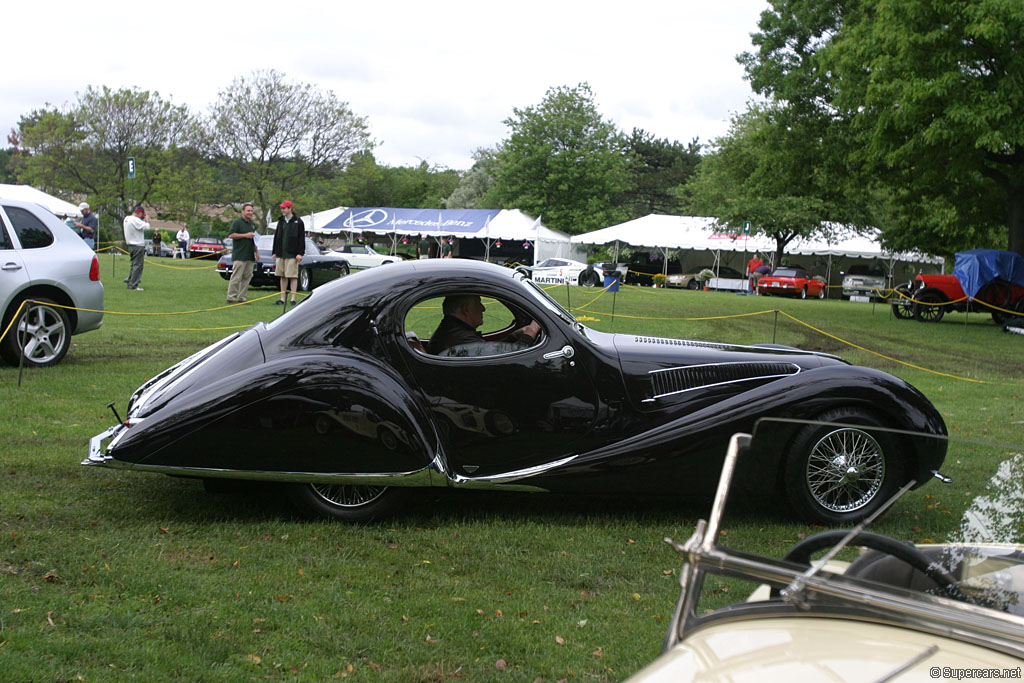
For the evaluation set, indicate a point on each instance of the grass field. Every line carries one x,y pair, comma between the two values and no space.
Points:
109,575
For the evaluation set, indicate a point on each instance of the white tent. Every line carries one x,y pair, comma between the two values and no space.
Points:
491,227
669,233
55,205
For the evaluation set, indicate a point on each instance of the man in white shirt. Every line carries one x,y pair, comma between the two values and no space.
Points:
182,238
135,227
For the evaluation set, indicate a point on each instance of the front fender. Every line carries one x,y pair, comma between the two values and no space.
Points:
685,452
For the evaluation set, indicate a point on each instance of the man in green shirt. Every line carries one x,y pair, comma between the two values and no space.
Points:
244,255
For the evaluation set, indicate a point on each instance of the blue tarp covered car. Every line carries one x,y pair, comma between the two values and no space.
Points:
978,267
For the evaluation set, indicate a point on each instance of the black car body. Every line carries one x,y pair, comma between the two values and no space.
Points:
315,268
579,410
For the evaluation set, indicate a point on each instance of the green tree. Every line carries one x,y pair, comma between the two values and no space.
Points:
659,167
84,149
277,136
763,171
476,185
930,96
564,162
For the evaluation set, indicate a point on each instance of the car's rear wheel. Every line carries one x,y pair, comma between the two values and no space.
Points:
305,280
929,307
42,334
821,292
693,284
997,293
838,475
347,502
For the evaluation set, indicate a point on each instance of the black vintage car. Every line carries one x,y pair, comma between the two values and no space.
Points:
314,270
339,400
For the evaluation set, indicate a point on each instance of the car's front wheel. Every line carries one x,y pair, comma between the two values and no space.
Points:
347,502
803,292
305,280
41,335
903,303
589,278
839,473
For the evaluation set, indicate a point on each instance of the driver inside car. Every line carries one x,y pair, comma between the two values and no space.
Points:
457,333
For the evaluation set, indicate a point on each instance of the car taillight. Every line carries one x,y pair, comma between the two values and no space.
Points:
94,270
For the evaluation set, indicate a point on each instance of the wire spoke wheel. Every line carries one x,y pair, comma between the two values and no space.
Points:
348,495
845,470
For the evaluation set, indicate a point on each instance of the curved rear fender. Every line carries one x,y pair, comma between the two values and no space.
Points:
338,411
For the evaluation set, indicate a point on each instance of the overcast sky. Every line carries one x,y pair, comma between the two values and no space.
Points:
435,80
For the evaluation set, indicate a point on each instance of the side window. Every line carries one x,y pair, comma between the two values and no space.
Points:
31,231
498,325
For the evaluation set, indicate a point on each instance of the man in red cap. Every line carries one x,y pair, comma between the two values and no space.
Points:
289,245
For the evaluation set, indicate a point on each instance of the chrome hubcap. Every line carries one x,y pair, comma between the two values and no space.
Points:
845,470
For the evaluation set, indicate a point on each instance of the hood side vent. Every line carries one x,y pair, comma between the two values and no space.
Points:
677,380
678,342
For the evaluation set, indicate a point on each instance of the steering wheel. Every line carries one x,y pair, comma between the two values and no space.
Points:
802,551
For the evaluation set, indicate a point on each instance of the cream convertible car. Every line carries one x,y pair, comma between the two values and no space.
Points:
896,611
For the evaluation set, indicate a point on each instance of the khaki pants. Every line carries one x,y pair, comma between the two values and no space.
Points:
241,274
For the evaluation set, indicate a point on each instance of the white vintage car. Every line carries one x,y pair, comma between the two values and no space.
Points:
557,271
361,256
896,611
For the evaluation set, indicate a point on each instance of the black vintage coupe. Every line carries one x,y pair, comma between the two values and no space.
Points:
314,270
338,400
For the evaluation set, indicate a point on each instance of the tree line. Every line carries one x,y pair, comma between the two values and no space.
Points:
267,138
903,117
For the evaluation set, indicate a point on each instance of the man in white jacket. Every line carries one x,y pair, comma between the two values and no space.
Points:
135,227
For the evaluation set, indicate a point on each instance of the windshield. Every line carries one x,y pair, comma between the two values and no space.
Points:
545,300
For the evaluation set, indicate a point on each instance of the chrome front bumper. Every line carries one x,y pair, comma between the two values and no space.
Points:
97,456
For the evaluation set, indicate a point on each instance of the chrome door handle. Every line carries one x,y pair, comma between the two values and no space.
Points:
565,352
12,266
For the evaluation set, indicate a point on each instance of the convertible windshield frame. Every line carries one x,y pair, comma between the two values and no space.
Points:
825,593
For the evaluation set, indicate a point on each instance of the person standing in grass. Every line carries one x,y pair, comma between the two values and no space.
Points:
135,227
244,255
289,245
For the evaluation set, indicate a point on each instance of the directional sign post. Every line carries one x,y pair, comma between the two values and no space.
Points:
131,176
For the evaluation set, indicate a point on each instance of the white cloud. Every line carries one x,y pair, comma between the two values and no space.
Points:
435,80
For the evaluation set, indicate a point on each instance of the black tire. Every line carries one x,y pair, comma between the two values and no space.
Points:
226,276
821,294
997,293
693,284
42,332
589,278
305,280
838,475
903,304
347,502
928,308
345,269
803,292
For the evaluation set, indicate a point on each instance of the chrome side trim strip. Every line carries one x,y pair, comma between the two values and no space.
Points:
505,478
420,478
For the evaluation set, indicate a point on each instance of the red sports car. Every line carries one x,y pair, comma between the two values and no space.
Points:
790,281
